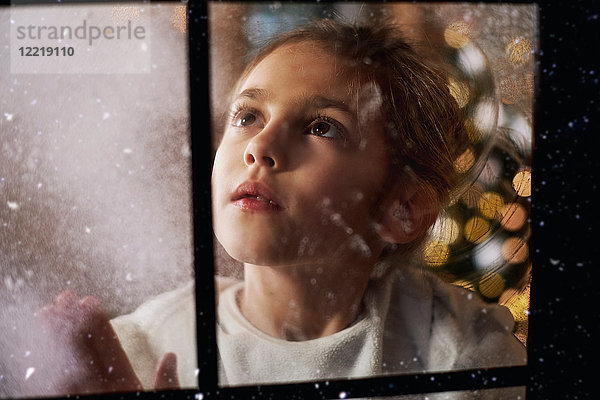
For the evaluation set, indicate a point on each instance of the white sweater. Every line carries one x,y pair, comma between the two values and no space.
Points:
411,322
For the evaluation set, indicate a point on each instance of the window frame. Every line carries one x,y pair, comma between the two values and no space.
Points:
563,279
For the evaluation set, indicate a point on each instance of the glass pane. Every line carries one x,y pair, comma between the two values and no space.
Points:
95,183
305,140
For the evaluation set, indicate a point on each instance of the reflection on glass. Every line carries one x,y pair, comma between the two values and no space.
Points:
89,146
333,247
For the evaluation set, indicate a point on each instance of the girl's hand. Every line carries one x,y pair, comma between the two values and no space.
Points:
87,356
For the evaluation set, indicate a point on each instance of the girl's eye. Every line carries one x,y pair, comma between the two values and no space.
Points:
245,118
325,128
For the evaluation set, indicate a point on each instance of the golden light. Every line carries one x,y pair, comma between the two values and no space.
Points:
476,230
464,161
461,27
522,183
460,92
465,284
515,250
490,204
514,216
511,91
491,285
178,18
436,254
518,50
445,230
472,132
457,34
517,302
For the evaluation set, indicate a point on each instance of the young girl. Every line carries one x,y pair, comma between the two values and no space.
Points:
336,158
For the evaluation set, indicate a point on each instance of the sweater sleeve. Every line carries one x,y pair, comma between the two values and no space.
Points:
166,323
137,346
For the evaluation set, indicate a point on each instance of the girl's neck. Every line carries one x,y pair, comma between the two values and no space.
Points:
302,302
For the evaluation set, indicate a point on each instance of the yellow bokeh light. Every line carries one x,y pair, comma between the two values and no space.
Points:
460,92
457,35
461,27
465,161
472,132
514,216
445,230
522,183
476,230
436,253
515,250
465,284
518,304
490,204
518,50
491,285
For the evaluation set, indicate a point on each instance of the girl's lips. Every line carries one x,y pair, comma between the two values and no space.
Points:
254,196
256,204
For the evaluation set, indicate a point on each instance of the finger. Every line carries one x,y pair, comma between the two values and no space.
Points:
115,369
92,359
67,305
58,317
67,365
166,373
66,299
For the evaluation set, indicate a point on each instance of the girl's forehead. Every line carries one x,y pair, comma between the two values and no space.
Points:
301,56
312,64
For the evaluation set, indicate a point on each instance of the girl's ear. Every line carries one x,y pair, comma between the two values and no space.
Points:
406,215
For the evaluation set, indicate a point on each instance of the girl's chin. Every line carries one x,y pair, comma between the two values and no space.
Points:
258,254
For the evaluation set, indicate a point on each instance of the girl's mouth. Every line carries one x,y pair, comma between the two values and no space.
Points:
259,198
254,196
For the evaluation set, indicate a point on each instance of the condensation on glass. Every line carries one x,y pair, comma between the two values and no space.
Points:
95,172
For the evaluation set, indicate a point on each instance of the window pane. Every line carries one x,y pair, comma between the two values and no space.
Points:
96,195
273,275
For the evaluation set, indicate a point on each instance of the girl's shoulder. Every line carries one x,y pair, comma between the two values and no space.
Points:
453,326
448,302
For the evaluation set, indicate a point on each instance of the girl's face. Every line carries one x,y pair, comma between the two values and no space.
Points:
299,172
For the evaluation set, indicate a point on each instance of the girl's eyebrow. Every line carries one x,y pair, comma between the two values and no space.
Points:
315,101
255,94
326,102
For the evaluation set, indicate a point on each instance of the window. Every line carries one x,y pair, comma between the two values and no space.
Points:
51,229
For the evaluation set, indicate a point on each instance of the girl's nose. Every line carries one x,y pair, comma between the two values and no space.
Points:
250,159
265,149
